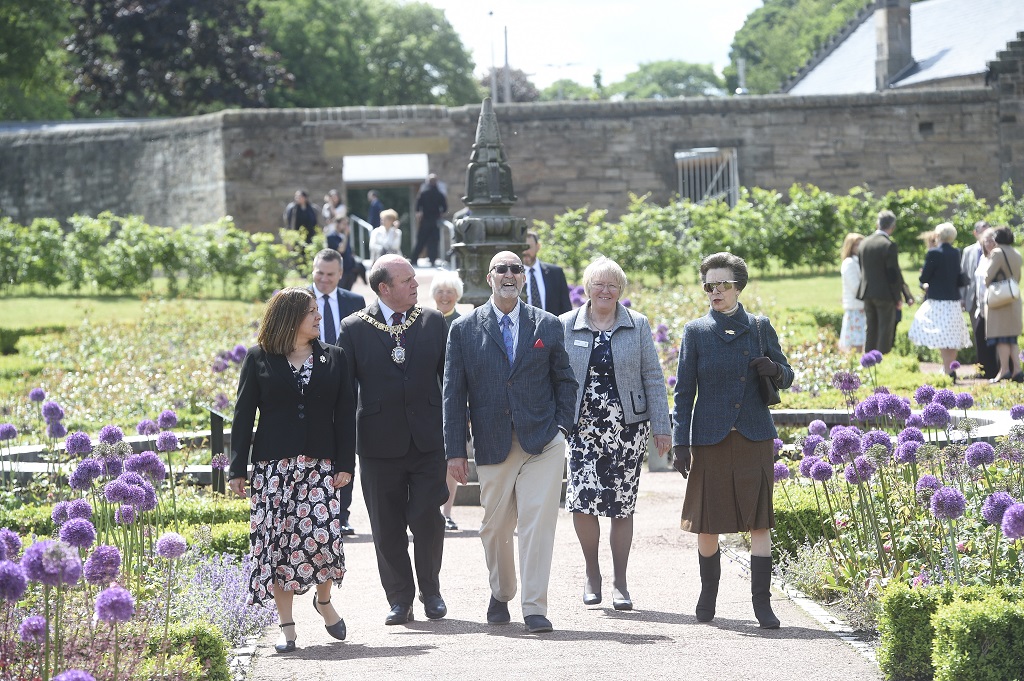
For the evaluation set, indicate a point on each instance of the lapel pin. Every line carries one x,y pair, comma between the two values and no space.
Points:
323,359
730,332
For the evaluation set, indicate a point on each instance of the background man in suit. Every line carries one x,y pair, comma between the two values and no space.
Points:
376,206
881,284
395,351
969,260
431,204
508,360
335,303
546,287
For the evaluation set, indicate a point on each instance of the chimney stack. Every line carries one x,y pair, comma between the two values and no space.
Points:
892,32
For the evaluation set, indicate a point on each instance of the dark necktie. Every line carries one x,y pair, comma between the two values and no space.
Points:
330,333
535,292
396,320
506,335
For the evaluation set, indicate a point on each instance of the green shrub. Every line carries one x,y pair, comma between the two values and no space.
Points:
212,510
28,519
209,645
231,537
182,663
797,519
980,641
830,318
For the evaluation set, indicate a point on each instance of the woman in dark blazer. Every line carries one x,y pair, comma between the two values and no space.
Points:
302,453
620,400
939,322
724,433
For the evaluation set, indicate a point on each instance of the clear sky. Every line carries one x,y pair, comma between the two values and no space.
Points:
553,39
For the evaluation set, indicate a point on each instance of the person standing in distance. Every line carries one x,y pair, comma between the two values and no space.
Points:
546,287
431,205
881,284
376,206
507,360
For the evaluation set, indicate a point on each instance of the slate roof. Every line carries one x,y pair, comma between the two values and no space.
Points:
949,38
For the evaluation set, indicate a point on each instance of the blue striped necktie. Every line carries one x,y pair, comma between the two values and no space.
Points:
506,334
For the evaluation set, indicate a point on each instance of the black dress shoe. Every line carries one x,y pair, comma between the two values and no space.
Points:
1018,377
537,624
590,598
400,614
622,603
497,612
434,606
336,630
289,645
347,530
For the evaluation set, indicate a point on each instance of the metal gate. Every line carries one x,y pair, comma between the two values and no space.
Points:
707,174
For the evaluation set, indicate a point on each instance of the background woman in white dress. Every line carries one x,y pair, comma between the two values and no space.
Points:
851,337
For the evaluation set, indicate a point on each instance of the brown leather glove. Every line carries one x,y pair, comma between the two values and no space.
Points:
681,460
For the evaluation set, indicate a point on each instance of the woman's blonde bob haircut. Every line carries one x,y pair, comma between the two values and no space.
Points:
447,279
607,270
946,233
850,245
285,311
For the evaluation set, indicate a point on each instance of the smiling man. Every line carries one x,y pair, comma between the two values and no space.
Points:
507,360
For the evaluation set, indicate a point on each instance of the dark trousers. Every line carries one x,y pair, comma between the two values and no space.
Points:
351,274
426,237
881,324
986,353
400,493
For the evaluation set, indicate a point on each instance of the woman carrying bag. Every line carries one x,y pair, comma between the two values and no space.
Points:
1003,308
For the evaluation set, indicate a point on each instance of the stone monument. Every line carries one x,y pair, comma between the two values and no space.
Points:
489,227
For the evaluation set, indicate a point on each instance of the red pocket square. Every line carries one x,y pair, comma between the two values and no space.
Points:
539,343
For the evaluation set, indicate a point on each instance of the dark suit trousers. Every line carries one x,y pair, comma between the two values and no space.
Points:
406,492
427,237
986,353
881,324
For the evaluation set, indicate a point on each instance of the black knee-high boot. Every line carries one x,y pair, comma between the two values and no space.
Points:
710,575
761,591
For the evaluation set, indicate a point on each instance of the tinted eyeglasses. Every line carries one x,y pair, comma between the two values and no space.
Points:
502,269
710,286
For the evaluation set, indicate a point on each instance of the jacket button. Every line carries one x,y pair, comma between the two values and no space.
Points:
506,412
746,352
736,406
742,378
301,407
302,416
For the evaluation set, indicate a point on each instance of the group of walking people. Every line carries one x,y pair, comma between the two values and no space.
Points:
402,386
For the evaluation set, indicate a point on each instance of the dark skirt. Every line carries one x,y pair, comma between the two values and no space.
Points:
730,487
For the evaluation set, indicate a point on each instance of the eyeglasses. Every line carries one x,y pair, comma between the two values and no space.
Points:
502,269
710,286
601,286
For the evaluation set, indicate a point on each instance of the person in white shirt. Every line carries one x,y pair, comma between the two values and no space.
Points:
851,337
387,238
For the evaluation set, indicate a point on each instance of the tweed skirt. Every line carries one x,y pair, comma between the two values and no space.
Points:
730,487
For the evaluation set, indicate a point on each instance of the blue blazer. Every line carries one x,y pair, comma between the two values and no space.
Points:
536,394
716,389
941,272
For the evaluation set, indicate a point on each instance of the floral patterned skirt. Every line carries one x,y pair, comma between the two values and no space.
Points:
294,527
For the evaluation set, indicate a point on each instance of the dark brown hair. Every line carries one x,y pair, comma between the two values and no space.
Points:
285,311
732,262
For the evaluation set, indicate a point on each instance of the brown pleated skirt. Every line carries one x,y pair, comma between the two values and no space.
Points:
730,487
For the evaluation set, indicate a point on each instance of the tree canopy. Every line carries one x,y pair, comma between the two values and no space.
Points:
522,89
31,63
668,79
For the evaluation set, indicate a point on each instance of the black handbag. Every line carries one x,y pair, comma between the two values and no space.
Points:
766,384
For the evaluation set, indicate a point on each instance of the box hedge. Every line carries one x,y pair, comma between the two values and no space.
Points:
797,519
979,641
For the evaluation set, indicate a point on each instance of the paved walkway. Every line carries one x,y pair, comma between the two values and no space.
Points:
661,639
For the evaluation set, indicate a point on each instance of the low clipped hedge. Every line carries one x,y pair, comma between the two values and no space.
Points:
797,519
231,537
208,645
906,628
979,641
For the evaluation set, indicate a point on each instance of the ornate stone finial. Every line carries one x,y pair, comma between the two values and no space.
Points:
489,179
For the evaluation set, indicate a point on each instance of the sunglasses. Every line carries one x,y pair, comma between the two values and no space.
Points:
710,286
502,269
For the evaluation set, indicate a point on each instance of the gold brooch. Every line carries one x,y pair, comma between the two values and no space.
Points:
730,332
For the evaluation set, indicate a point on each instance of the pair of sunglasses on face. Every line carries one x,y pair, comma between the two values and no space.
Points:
710,286
503,269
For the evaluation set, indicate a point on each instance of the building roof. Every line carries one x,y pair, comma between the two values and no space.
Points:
949,38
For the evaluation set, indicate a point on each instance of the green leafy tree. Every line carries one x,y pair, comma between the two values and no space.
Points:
668,79
169,57
33,84
522,89
570,238
646,238
566,89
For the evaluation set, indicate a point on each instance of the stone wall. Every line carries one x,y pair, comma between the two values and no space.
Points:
563,155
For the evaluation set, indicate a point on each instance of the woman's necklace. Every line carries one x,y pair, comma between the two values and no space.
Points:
601,325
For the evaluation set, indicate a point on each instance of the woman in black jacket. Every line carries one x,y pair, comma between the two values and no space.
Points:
302,453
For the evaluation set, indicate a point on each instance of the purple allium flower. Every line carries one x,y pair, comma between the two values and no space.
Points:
51,563
8,431
1013,522
115,604
777,445
867,409
55,430
103,565
219,462
821,471
845,445
149,500
948,503
964,400
79,508
626,302
116,491
167,419
74,675
12,541
876,437
910,434
166,441
995,506
238,354
672,380
781,471
52,411
926,485
661,334
33,629
877,354
817,427
219,366
59,514
131,478
901,411
111,434
954,365
924,394
907,452
935,415
172,545
811,443
979,453
12,581
147,427
806,463
1017,412
125,515
860,470
37,394
147,463
845,381
221,402
889,404
78,532
113,466
85,473
867,360
78,443
915,420
945,397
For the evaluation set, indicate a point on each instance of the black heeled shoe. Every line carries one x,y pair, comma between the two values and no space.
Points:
289,645
1018,377
336,630
591,597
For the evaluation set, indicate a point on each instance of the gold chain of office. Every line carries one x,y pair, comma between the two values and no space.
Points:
395,331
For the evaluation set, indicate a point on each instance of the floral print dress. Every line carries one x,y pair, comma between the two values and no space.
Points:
605,453
295,523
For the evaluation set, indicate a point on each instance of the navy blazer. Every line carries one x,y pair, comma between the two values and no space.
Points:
556,289
716,388
319,422
941,272
347,301
536,395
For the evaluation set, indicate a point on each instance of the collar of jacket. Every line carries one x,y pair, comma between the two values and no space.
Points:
622,317
730,327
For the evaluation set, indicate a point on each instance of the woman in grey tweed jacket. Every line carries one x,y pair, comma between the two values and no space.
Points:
724,434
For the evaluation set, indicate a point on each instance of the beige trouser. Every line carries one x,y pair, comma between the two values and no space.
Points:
523,489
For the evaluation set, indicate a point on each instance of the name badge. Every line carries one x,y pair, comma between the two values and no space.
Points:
581,343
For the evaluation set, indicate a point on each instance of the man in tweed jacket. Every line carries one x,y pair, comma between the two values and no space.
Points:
508,361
